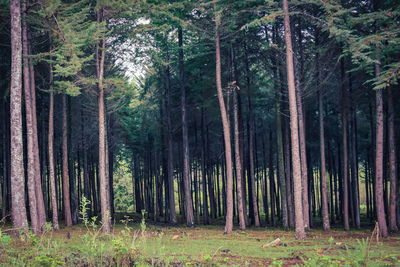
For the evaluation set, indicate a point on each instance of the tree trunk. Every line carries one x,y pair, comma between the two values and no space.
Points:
52,178
294,126
324,189
104,181
226,129
379,198
345,168
65,159
33,207
185,141
392,163
281,159
203,169
38,177
238,161
170,155
18,210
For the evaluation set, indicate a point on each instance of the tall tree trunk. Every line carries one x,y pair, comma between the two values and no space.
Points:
379,198
345,168
238,162
392,163
324,189
170,156
302,135
65,169
185,141
104,181
294,126
53,193
252,183
272,192
33,207
204,169
281,159
18,210
355,199
226,128
38,177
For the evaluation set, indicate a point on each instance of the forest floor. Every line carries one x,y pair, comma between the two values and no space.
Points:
141,244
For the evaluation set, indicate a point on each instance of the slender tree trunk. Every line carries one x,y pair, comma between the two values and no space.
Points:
238,161
392,163
38,177
251,172
345,168
288,175
65,159
281,162
324,189
272,192
379,197
170,159
302,136
185,141
34,216
303,158
294,126
18,210
104,181
226,129
203,170
51,156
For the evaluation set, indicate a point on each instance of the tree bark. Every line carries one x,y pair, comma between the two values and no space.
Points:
379,197
203,169
238,162
185,141
104,181
33,207
170,156
52,178
18,210
345,168
38,177
392,163
226,128
324,189
281,159
65,169
294,126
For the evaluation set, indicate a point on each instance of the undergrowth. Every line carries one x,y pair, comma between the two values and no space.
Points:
145,245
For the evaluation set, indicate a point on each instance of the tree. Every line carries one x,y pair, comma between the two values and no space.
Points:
238,160
226,126
185,142
379,201
324,190
104,181
65,162
392,163
32,194
18,209
294,127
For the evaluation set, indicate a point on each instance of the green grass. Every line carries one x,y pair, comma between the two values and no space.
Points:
172,246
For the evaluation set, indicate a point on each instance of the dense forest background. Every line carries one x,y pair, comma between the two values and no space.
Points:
260,113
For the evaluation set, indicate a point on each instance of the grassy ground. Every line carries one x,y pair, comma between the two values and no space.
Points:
143,245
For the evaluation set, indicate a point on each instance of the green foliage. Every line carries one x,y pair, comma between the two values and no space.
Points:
73,34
